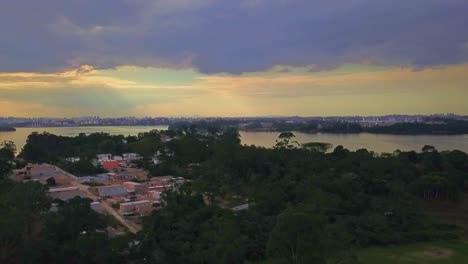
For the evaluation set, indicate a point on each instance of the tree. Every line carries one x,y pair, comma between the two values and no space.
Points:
284,141
303,236
83,167
71,235
428,148
7,150
51,181
187,231
5,169
317,146
22,206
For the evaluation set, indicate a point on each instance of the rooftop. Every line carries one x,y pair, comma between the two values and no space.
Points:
135,202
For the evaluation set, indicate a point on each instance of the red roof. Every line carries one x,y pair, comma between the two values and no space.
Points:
111,164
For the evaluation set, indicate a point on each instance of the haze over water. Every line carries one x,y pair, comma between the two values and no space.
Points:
378,143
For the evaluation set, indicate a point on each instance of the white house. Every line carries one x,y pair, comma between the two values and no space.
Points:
73,159
101,158
131,156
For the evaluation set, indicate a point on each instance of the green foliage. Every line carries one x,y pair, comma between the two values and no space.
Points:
71,236
82,167
7,150
443,252
51,181
46,147
306,204
285,141
317,146
187,231
21,209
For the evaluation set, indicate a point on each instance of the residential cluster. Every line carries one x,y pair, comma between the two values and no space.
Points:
123,191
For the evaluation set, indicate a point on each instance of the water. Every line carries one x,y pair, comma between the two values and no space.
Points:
375,142
378,143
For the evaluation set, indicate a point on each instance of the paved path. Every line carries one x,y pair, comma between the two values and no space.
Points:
132,227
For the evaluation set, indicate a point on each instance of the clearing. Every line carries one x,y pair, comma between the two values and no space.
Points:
455,252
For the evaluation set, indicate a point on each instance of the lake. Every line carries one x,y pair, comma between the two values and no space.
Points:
375,142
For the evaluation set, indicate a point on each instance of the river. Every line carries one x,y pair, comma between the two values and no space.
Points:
375,142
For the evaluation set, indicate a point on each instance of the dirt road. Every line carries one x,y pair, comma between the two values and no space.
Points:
132,227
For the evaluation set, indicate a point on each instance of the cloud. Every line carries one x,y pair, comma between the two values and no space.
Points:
280,90
230,36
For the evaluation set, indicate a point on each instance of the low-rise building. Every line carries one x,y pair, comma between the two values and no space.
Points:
66,193
96,206
111,164
42,172
112,191
73,159
153,196
135,187
117,158
131,156
142,207
99,178
101,158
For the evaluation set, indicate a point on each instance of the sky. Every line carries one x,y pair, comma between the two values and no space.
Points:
233,58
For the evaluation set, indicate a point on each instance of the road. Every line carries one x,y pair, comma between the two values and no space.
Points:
132,227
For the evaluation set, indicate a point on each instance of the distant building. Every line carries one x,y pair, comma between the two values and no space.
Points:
111,165
141,207
112,191
66,193
156,160
165,138
100,178
96,206
153,196
73,159
135,187
161,184
42,172
101,158
38,171
240,207
131,156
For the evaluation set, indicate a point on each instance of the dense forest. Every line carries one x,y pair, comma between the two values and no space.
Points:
308,203
6,128
429,126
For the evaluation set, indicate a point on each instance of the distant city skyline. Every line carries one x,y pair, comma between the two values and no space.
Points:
183,58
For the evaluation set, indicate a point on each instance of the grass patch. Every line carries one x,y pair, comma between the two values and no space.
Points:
455,252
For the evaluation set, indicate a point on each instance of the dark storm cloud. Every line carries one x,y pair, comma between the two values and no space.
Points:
230,36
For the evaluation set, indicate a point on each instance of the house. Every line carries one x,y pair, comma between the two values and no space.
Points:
42,172
240,207
73,159
101,158
156,160
165,138
143,206
160,184
153,196
135,187
66,193
38,171
131,156
111,164
112,191
100,178
96,206
117,158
